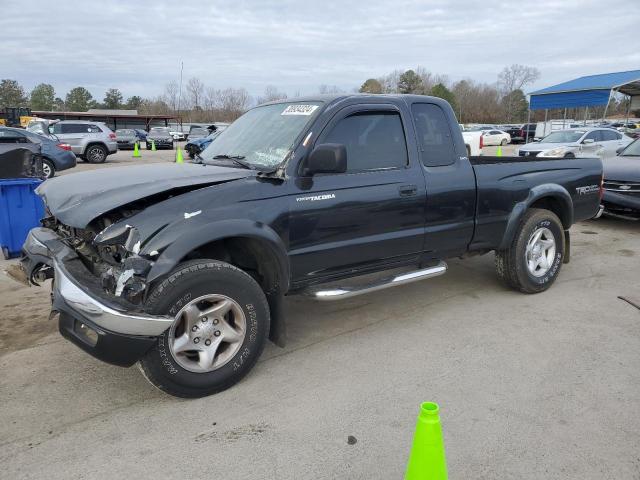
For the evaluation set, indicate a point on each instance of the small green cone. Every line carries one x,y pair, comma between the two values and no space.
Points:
499,151
179,158
136,151
153,145
427,460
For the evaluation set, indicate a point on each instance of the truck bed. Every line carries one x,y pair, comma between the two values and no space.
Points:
505,184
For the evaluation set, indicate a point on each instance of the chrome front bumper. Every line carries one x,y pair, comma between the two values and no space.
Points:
70,297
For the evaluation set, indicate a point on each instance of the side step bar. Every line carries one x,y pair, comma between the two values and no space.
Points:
339,293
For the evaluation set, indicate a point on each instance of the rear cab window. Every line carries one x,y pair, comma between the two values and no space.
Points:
435,140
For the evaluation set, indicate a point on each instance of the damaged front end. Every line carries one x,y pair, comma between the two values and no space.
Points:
109,248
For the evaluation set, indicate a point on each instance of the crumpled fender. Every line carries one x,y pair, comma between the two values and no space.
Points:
195,238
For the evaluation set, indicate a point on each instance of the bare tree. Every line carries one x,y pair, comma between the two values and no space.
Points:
171,94
329,89
514,77
195,90
271,94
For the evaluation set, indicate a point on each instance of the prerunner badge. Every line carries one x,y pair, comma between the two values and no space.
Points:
299,110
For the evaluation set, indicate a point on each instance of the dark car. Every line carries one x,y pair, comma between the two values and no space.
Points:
141,134
622,183
126,138
525,133
184,267
161,136
198,132
196,146
56,156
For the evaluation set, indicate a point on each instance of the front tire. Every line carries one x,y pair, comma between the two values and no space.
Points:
533,260
220,328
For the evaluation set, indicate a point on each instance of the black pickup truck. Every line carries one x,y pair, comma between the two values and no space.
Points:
184,268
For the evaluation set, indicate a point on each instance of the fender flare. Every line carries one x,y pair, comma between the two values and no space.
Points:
220,230
546,190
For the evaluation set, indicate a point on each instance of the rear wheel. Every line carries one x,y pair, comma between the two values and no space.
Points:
503,142
533,260
96,154
48,168
220,328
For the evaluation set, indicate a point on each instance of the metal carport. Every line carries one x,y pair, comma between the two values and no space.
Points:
589,91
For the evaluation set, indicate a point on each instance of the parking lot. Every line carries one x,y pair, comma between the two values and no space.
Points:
530,386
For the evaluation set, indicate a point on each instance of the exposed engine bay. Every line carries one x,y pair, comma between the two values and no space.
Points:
109,248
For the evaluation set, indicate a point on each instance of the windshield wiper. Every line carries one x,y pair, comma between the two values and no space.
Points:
237,159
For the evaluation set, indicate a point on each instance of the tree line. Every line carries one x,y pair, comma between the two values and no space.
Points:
503,101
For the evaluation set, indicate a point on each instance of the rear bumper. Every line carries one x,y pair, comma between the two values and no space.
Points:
91,321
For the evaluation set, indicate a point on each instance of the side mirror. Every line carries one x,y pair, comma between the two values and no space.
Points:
620,150
588,141
327,158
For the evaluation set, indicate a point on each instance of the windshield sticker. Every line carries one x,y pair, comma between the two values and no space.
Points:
299,109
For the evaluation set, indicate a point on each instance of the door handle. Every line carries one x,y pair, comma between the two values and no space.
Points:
407,190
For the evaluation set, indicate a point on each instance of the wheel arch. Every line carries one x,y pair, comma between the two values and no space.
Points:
250,246
95,142
552,197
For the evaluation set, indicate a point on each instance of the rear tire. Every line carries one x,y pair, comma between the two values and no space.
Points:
545,255
96,154
503,142
48,168
178,364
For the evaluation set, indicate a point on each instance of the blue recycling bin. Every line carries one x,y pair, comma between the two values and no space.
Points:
20,210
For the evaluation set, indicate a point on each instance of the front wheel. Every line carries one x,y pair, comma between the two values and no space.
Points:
220,328
532,262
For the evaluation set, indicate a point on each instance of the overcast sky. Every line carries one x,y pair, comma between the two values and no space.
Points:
137,46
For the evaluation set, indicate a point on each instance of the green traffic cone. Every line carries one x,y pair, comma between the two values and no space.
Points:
427,460
153,145
179,158
136,151
499,151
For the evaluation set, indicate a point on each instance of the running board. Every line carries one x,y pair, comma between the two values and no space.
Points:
340,293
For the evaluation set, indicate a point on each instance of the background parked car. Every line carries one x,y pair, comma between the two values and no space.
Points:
575,142
141,134
178,135
91,141
495,137
622,183
194,147
56,156
126,138
161,136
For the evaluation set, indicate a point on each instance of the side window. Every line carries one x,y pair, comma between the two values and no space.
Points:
56,128
595,136
93,129
10,136
72,128
434,135
607,135
374,140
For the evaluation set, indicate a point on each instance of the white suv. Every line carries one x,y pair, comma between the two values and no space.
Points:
91,141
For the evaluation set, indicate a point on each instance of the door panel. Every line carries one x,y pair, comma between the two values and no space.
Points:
361,220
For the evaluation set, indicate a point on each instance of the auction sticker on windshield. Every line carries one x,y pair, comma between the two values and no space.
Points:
299,109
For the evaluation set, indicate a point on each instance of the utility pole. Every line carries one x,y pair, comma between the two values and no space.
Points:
180,92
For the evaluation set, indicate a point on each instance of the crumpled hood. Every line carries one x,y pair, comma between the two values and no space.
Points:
79,198
622,168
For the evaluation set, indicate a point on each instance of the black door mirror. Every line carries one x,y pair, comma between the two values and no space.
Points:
327,158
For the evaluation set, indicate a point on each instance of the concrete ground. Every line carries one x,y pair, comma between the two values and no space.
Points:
530,386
